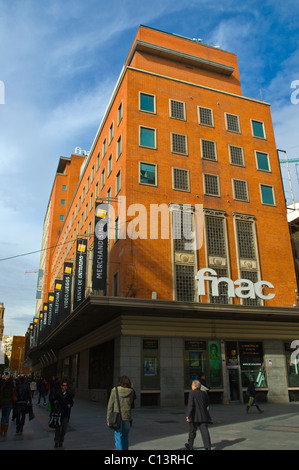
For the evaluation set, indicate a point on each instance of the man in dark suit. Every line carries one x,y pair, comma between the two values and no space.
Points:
198,416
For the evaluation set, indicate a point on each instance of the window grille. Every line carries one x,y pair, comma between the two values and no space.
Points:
177,109
240,190
236,155
215,236
252,276
232,123
185,276
208,149
182,223
223,297
211,185
206,116
181,179
246,239
179,143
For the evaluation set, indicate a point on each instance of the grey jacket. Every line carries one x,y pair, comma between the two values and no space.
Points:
126,397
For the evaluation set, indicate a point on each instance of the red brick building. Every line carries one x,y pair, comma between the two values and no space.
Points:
179,149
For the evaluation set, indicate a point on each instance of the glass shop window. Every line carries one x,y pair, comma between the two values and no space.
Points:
292,367
150,371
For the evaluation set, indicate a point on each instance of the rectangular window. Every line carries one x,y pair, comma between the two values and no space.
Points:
180,179
118,147
115,284
267,195
147,173
240,190
62,202
258,129
147,137
109,164
103,178
179,144
120,113
111,132
177,110
147,103
205,116
232,123
236,155
185,288
116,229
118,183
104,148
64,187
262,160
211,185
208,149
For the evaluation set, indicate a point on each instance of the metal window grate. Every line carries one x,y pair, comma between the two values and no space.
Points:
206,116
208,149
223,297
185,276
246,239
182,225
181,179
179,143
211,185
232,123
240,190
236,155
177,109
215,236
252,276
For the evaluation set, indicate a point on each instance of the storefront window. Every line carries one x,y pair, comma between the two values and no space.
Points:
150,379
195,361
292,368
215,364
252,364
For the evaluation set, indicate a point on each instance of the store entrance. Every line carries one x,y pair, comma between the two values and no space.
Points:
234,387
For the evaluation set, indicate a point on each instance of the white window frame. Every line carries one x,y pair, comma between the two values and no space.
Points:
226,123
139,102
171,143
230,155
264,130
234,193
273,193
156,173
184,112
204,185
188,173
212,115
155,132
215,148
268,158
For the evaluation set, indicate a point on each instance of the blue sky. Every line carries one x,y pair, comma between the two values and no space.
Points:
59,61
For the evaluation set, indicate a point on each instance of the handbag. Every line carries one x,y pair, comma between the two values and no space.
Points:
115,417
55,419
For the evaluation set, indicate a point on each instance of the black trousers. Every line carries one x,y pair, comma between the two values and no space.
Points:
61,430
203,428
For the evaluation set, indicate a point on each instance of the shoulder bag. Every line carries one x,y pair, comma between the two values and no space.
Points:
115,417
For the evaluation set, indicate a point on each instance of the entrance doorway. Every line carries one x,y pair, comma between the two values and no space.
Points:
234,386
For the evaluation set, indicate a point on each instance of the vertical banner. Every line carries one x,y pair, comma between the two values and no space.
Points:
39,287
50,310
80,272
67,289
57,302
99,272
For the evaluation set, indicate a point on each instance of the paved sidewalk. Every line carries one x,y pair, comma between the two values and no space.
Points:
277,428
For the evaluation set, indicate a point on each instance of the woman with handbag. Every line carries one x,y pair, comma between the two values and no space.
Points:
119,407
7,399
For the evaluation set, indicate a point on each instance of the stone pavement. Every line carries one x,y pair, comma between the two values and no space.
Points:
161,429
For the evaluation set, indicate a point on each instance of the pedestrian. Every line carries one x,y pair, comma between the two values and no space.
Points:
7,398
126,400
63,401
42,389
22,404
251,393
203,383
198,416
33,387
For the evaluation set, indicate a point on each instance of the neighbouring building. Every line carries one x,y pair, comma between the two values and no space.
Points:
173,258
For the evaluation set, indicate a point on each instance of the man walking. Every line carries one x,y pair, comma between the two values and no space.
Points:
198,416
63,400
